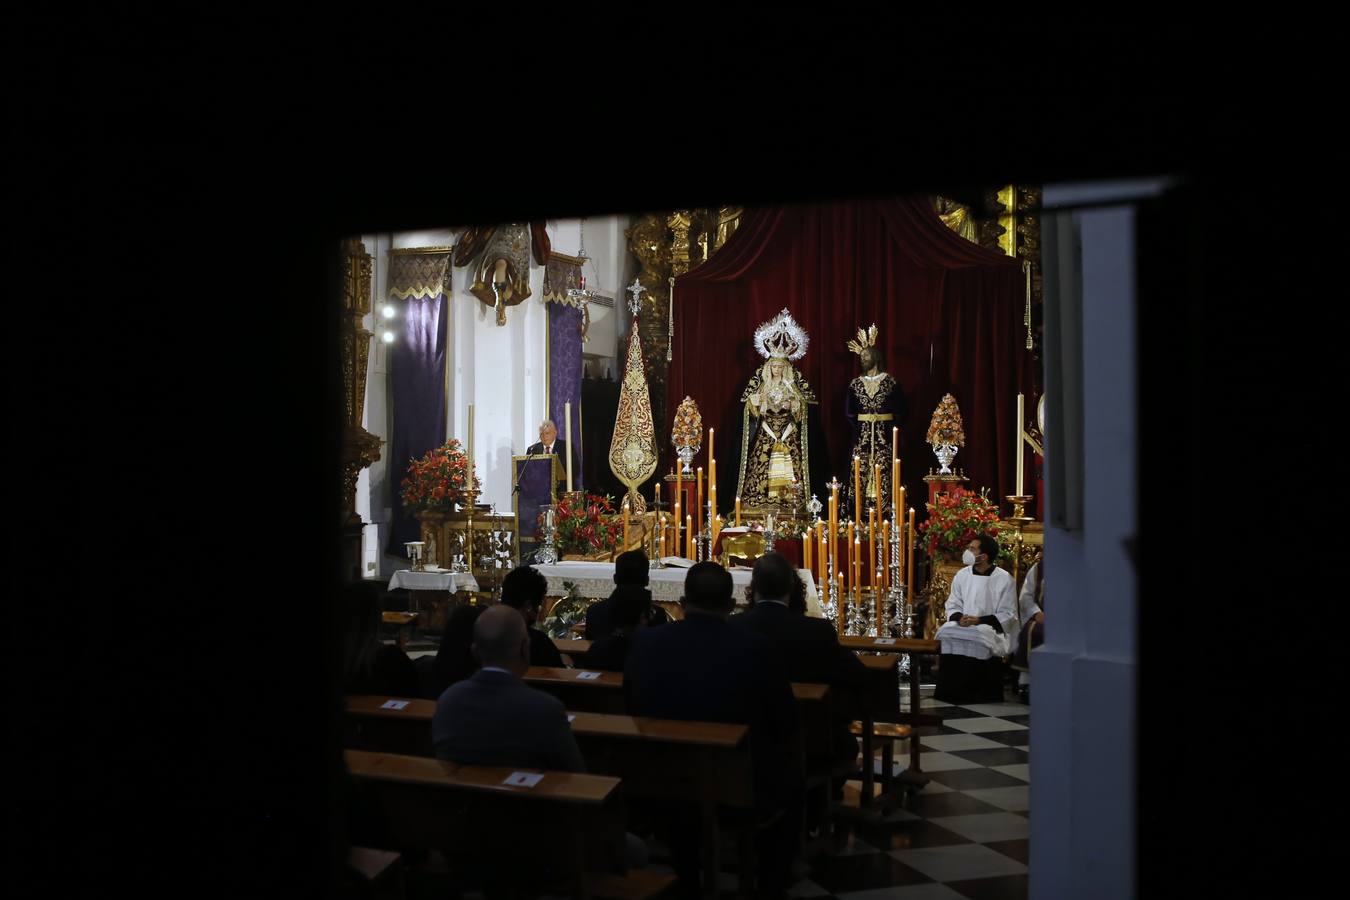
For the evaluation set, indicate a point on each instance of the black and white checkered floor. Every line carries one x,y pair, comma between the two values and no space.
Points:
965,834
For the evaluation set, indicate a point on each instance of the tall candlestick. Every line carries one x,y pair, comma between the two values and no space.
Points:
470,448
833,536
820,553
689,537
712,474
909,565
900,523
806,550
567,423
625,528
1020,414
895,488
885,555
857,491
857,568
676,521
871,544
738,512
711,454
848,549
876,484
843,625
679,484
895,442
699,494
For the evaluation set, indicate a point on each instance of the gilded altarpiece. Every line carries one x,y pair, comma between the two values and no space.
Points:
360,448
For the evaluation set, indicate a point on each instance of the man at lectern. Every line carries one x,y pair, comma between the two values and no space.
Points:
549,443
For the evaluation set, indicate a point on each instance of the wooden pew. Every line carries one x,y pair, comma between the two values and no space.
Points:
603,693
881,711
371,725
667,760
570,818
658,759
572,649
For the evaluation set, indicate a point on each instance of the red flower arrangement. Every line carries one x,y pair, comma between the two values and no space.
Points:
438,481
956,519
588,527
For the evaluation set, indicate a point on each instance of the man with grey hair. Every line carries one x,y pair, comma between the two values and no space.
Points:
548,443
494,718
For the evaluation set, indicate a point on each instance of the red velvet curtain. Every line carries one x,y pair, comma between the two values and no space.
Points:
949,314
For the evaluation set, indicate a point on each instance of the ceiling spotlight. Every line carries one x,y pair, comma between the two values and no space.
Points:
388,311
388,337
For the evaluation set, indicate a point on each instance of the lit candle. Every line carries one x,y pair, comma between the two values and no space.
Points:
806,550
1020,414
876,485
711,454
567,423
895,442
738,512
857,491
676,546
699,494
712,475
625,527
689,537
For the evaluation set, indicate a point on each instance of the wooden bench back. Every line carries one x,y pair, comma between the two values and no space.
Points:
571,820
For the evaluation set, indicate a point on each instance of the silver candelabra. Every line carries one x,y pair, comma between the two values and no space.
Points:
547,555
703,544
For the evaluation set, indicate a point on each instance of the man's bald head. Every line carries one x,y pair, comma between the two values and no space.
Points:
500,639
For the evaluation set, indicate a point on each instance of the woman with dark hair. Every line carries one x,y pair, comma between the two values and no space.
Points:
455,660
370,666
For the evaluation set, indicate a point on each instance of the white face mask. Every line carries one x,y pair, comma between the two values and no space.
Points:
968,558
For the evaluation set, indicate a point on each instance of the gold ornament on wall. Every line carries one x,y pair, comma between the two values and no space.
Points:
632,451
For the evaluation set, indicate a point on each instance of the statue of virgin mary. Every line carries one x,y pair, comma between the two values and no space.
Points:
774,450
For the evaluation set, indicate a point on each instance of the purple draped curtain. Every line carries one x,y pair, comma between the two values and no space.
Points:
564,378
417,361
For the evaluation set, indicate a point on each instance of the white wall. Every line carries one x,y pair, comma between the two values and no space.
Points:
501,370
1084,677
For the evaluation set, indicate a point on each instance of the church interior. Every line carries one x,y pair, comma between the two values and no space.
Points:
864,387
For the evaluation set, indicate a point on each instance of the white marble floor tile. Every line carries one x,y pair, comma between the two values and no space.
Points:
1017,770
980,724
959,862
986,827
999,709
1014,799
957,742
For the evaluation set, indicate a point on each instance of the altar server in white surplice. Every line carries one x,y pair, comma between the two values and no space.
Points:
981,612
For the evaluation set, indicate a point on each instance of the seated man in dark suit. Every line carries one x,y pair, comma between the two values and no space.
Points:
702,668
610,653
494,718
810,647
630,577
523,590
